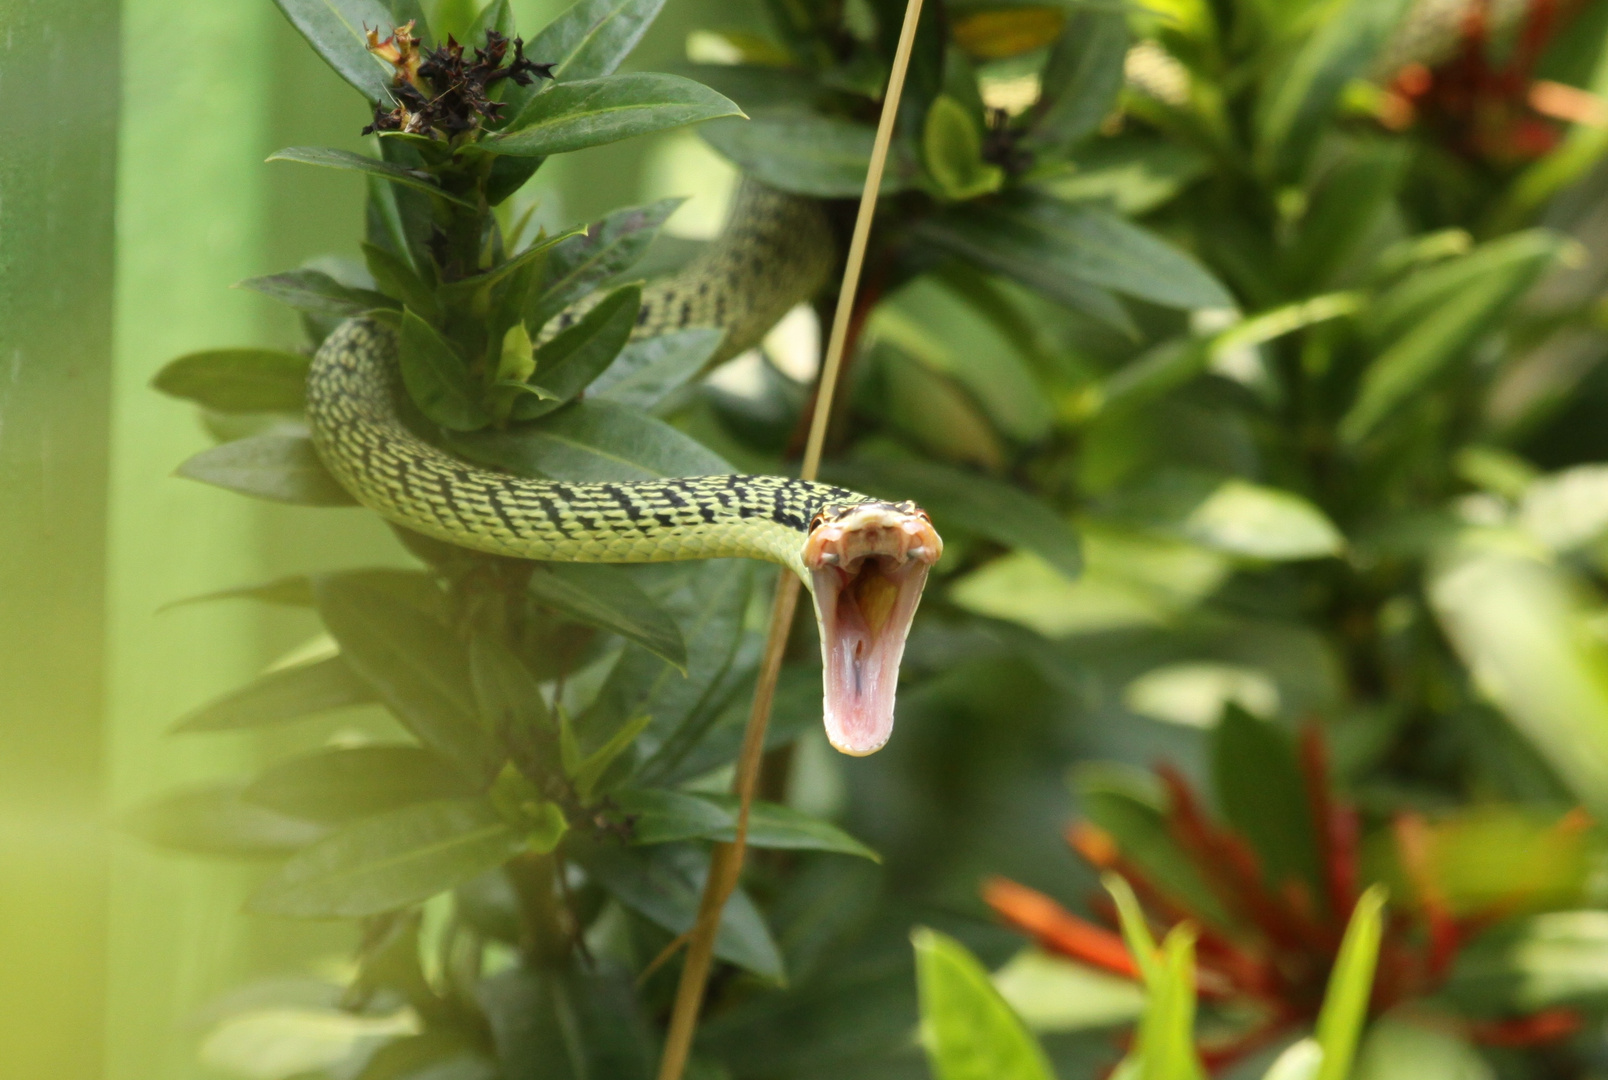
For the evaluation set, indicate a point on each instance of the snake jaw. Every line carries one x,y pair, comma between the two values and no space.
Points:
867,566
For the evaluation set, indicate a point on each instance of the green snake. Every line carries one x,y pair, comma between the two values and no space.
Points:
864,561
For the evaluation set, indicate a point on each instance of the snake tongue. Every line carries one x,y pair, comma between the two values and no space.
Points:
864,614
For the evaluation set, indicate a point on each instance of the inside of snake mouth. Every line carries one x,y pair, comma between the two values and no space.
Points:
867,568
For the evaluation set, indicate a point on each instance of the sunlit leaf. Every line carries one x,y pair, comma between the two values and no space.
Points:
390,861
1399,1049
952,146
1516,624
1345,1003
1549,960
968,1030
1262,522
1051,993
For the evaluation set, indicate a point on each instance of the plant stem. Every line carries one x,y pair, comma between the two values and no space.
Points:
727,862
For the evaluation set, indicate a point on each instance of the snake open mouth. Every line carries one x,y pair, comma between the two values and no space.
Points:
867,565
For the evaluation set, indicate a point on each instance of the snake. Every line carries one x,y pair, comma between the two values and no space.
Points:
864,561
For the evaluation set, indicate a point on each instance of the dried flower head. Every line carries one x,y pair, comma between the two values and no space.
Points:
443,93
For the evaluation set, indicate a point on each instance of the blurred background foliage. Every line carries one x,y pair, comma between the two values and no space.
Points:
1330,433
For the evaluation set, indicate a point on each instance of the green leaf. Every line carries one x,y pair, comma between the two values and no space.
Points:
419,669
590,112
237,380
709,607
663,815
396,278
1135,930
335,30
607,598
328,157
968,1030
294,591
593,441
1519,622
1262,793
563,1022
1345,1004
609,247
965,502
390,861
336,786
437,378
1241,518
214,820
470,289
508,695
1556,959
278,696
663,884
648,371
568,363
952,146
808,154
1443,311
1053,994
587,772
281,468
1042,241
1164,1048
316,293
494,16
1398,1049
587,41
1081,79
1296,107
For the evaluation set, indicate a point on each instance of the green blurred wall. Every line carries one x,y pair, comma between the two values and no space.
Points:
109,951
58,80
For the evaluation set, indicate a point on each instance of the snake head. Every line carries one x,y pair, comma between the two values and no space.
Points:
867,565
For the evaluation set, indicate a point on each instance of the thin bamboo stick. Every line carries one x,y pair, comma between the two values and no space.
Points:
726,865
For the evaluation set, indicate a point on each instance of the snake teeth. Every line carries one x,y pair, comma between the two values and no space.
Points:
867,567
